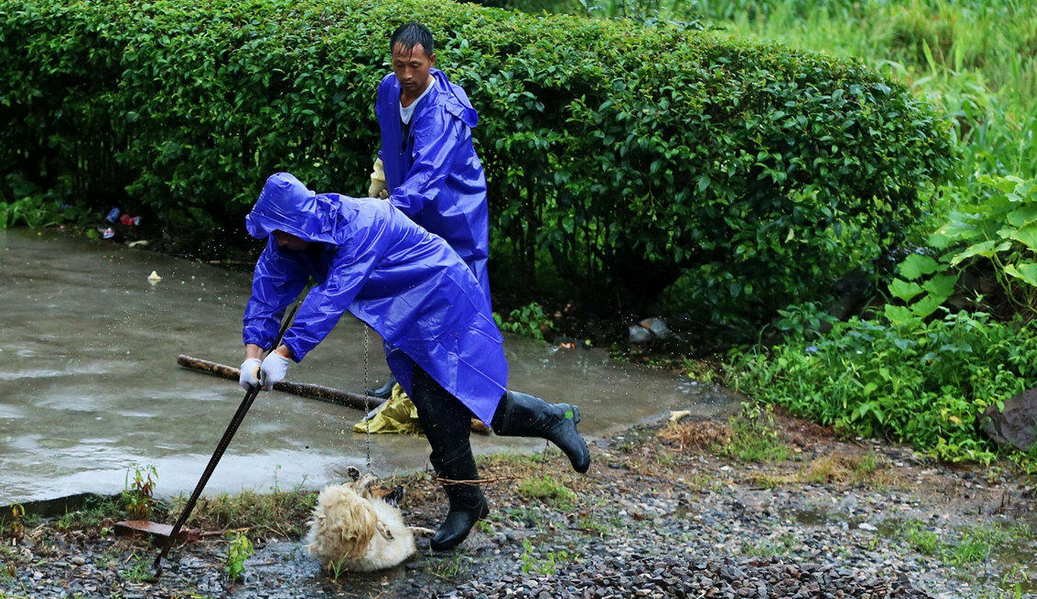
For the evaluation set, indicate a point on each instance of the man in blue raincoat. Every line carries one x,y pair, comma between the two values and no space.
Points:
427,166
441,341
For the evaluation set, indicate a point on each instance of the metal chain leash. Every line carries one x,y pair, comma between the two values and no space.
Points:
367,403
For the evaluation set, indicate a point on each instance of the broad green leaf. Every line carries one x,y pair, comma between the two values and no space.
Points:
916,266
904,290
1023,216
940,287
1027,236
985,249
926,306
898,315
959,227
1025,271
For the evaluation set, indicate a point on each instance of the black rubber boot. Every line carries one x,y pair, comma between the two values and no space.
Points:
385,391
521,415
467,504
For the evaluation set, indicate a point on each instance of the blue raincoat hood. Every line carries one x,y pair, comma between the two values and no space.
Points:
285,204
373,261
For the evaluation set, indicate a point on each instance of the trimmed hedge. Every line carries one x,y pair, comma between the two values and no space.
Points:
618,156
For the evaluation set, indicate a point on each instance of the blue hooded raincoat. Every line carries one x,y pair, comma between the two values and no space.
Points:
369,258
432,173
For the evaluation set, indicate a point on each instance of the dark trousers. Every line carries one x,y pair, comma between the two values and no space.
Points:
446,421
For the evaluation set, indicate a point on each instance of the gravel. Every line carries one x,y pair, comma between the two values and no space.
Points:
662,521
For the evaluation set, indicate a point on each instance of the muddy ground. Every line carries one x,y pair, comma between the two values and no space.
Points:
756,506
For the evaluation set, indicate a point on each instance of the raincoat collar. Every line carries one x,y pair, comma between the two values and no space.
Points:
453,98
285,204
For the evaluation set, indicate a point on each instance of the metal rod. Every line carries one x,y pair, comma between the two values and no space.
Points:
232,428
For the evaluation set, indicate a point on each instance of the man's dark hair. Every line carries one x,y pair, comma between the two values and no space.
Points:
411,34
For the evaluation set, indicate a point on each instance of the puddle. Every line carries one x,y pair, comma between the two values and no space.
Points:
89,382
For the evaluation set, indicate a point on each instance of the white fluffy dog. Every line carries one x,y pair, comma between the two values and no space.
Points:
357,527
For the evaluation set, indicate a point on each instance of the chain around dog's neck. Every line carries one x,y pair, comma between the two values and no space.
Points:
367,405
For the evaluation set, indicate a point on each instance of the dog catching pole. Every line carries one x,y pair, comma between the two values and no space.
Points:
232,428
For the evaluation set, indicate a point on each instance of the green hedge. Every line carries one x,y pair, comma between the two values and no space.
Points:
618,156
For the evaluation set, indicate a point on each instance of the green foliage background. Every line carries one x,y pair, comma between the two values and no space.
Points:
618,156
923,382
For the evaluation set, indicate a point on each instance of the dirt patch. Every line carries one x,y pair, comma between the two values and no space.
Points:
662,506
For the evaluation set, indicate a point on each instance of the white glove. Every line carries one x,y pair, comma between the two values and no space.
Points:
377,188
249,377
275,367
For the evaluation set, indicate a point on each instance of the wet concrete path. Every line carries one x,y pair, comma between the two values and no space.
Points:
89,383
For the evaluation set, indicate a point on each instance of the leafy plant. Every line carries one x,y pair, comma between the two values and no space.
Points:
138,494
239,550
807,320
529,320
754,436
15,526
923,284
1001,227
922,382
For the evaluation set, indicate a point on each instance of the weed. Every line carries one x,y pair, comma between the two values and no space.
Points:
485,527
532,517
591,525
665,458
845,468
547,564
240,549
784,545
453,566
754,436
138,571
547,490
919,539
767,481
15,528
280,513
138,494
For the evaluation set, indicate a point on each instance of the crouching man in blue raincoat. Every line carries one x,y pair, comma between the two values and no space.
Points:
427,165
440,339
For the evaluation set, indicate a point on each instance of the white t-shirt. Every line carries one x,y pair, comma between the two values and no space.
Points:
408,112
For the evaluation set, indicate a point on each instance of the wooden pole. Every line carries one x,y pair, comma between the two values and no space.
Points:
320,392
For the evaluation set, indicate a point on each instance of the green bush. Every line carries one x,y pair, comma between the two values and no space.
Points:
618,156
922,383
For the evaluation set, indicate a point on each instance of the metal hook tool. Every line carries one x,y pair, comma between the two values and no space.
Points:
232,428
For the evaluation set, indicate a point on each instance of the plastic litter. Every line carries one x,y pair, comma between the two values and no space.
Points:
129,221
648,329
108,233
154,278
113,215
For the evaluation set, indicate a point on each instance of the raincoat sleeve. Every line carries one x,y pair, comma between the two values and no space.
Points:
436,143
278,279
325,303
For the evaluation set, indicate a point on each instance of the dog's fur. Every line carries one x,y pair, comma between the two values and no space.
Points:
357,527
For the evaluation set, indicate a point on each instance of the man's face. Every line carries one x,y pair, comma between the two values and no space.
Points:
290,242
412,68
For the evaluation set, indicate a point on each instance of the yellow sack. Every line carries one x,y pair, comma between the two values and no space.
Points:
397,415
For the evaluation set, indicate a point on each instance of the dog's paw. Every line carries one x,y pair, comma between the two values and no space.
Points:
422,531
353,473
